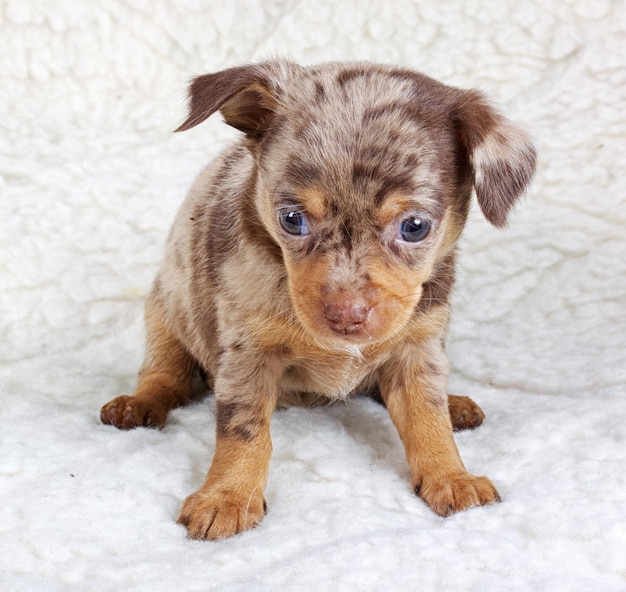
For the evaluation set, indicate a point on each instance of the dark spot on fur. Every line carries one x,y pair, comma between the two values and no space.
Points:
350,74
306,127
388,112
302,173
243,432
230,161
320,93
198,212
363,173
221,240
374,115
400,183
410,161
375,152
226,412
347,234
236,420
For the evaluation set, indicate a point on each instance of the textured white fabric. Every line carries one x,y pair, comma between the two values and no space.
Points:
90,178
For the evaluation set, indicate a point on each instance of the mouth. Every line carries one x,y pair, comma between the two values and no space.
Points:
355,335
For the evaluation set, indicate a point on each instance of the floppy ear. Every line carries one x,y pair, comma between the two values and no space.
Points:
501,156
247,97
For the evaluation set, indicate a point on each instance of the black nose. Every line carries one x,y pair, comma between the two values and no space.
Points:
346,317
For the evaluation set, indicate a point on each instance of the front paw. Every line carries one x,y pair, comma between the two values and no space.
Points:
456,492
465,414
126,412
220,513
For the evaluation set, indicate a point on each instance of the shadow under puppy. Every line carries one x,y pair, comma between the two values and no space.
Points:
315,258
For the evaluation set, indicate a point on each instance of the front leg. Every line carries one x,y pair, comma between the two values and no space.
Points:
231,498
414,386
165,379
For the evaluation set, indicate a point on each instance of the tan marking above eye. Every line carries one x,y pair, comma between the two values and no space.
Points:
397,204
313,201
393,206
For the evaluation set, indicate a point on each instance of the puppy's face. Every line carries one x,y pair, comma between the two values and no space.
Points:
365,192
362,211
364,175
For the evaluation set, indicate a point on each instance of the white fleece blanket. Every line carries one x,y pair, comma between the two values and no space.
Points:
90,178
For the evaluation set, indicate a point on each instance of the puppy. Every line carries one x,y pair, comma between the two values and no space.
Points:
314,259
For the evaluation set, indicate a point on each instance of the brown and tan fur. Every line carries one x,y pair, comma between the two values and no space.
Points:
348,305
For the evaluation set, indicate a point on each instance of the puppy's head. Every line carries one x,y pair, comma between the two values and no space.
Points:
364,175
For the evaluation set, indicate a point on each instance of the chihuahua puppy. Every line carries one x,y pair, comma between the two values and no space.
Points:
314,259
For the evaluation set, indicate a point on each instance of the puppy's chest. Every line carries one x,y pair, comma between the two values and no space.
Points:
333,375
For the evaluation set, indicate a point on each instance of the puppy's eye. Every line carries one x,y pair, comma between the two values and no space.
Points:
294,222
414,229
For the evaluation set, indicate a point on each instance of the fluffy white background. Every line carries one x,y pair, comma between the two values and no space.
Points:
90,178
